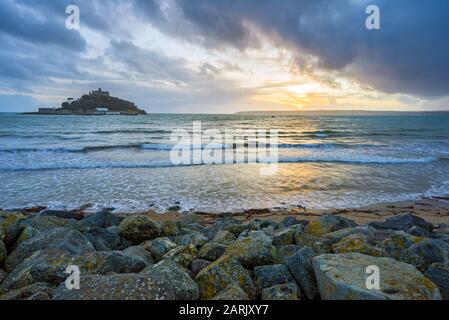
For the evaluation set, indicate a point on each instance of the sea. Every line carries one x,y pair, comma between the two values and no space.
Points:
124,163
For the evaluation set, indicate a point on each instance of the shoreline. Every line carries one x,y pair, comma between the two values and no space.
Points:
434,208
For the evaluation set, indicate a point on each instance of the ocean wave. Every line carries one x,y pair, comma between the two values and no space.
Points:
168,147
312,159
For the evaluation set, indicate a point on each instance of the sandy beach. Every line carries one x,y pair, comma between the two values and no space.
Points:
432,209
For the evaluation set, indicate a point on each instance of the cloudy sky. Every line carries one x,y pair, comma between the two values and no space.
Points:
215,56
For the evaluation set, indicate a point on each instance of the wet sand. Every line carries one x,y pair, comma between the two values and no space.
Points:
433,209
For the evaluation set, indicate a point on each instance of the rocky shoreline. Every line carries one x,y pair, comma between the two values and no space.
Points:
251,256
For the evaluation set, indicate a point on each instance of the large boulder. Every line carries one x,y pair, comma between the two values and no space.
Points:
172,281
105,240
50,266
112,287
357,243
171,228
35,291
197,265
269,276
431,251
194,238
159,247
439,274
103,219
339,235
219,225
281,292
285,237
8,219
397,245
329,223
300,266
37,224
183,255
344,277
224,237
61,238
139,228
212,251
139,253
405,222
219,275
251,251
283,253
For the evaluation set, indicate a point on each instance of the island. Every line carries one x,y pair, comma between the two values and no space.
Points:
97,102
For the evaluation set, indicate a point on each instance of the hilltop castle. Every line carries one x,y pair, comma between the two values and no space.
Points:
99,93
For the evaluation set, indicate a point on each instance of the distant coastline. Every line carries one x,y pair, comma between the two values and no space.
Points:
342,113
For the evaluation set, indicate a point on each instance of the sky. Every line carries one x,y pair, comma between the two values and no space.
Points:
215,56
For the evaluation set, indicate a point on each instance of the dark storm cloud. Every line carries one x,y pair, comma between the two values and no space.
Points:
408,55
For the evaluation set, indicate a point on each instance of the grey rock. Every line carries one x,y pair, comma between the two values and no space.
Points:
105,240
212,251
255,250
339,235
397,245
114,287
159,247
139,253
283,253
334,223
269,276
139,228
281,292
31,292
438,273
431,251
50,266
183,255
41,224
220,274
103,219
172,280
171,228
237,229
284,237
404,222
61,238
219,225
198,264
301,267
288,222
344,276
197,239
224,237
